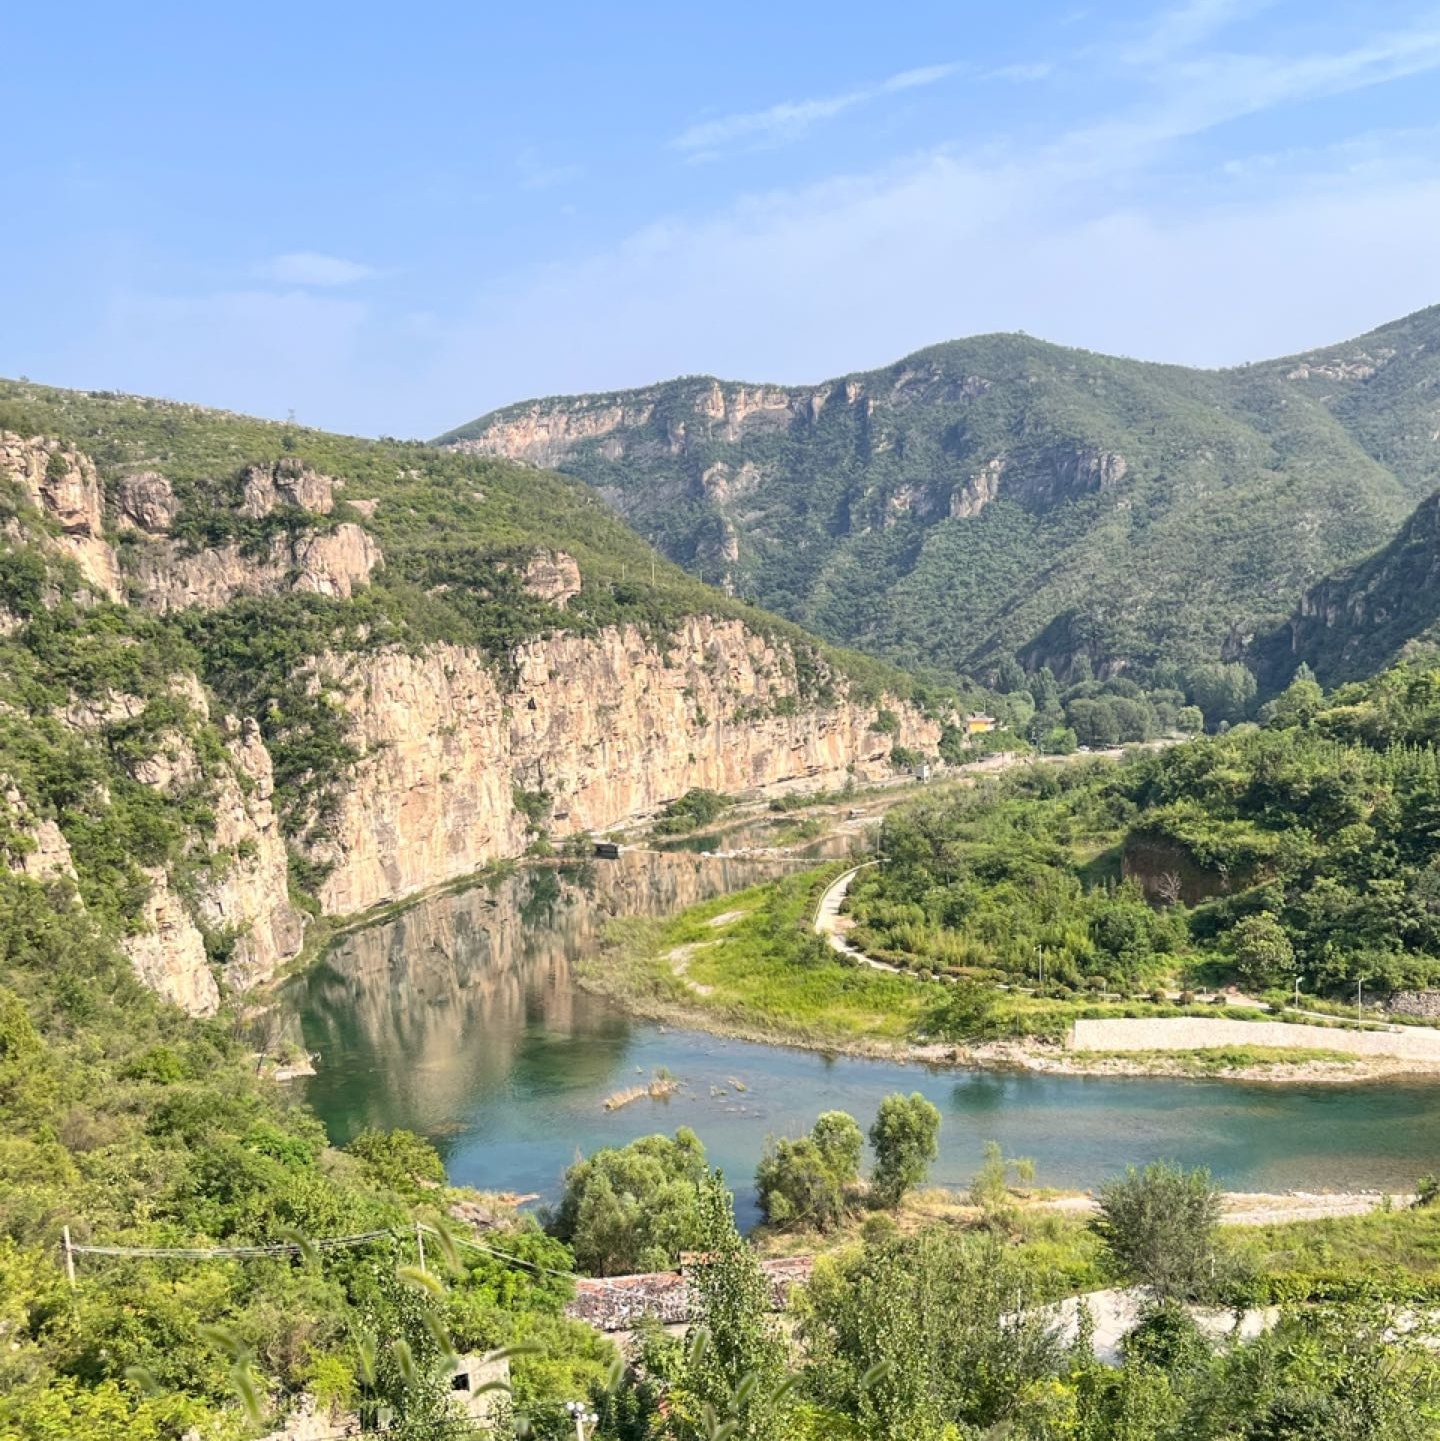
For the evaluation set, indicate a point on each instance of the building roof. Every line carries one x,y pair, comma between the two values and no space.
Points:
619,1302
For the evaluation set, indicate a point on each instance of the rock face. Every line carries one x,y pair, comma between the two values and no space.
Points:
61,483
240,894
43,853
607,728
287,482
146,502
251,897
554,576
456,768
166,577
169,954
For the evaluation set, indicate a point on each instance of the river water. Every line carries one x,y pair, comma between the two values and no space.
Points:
460,1019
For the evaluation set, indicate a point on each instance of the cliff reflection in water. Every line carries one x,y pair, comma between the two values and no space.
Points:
467,997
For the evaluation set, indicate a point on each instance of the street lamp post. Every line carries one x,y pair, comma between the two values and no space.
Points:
583,1417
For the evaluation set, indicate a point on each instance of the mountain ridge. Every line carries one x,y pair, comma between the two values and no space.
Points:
1005,496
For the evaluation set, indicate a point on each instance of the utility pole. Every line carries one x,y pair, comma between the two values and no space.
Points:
420,1244
1297,992
1359,994
69,1258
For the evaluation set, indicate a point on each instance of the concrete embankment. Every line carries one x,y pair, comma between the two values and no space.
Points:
1195,1033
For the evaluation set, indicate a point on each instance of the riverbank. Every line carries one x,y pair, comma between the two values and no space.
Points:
749,966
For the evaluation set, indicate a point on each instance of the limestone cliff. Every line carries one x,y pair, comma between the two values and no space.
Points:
61,483
606,728
463,754
166,576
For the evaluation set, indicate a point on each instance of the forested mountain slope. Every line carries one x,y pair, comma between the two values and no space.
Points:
1365,615
248,670
1002,496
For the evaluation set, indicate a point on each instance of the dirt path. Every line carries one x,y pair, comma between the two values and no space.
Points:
832,925
1262,1208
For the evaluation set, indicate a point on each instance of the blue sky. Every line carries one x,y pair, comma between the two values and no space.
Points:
391,218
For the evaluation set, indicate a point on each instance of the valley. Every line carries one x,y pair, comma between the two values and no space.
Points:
392,839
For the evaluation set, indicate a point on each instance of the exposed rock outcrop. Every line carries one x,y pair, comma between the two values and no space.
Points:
167,577
608,728
286,482
552,575
169,954
146,502
61,483
978,491
42,853
249,897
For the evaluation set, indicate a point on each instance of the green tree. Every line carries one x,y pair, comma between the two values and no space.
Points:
923,1338
838,1135
1224,691
1264,955
803,1182
734,1372
1060,741
634,1208
905,1136
1159,1227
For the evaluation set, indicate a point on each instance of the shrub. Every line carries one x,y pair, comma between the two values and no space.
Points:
1159,1229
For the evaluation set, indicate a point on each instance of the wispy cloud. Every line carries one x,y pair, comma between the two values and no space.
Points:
1194,93
1021,74
536,174
309,267
791,118
1182,28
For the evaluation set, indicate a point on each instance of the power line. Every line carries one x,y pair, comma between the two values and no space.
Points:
326,1243
206,1253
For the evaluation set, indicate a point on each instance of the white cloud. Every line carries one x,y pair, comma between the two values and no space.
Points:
309,267
1186,26
1022,74
791,118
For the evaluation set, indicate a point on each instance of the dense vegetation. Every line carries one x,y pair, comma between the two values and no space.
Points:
947,1333
1001,496
1308,845
135,1127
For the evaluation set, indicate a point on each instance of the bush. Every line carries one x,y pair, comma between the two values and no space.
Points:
399,1159
696,808
803,1182
1159,1229
635,1208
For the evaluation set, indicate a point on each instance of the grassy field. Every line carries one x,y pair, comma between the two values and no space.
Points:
1392,1254
749,964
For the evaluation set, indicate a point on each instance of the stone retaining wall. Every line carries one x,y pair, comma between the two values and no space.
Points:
1415,1003
1193,1033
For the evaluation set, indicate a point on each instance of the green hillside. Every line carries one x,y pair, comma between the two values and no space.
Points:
1364,616
455,532
1002,496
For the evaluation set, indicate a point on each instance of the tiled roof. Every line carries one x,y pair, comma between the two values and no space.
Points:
618,1302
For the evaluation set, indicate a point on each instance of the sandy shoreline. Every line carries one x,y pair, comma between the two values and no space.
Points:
1037,1056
